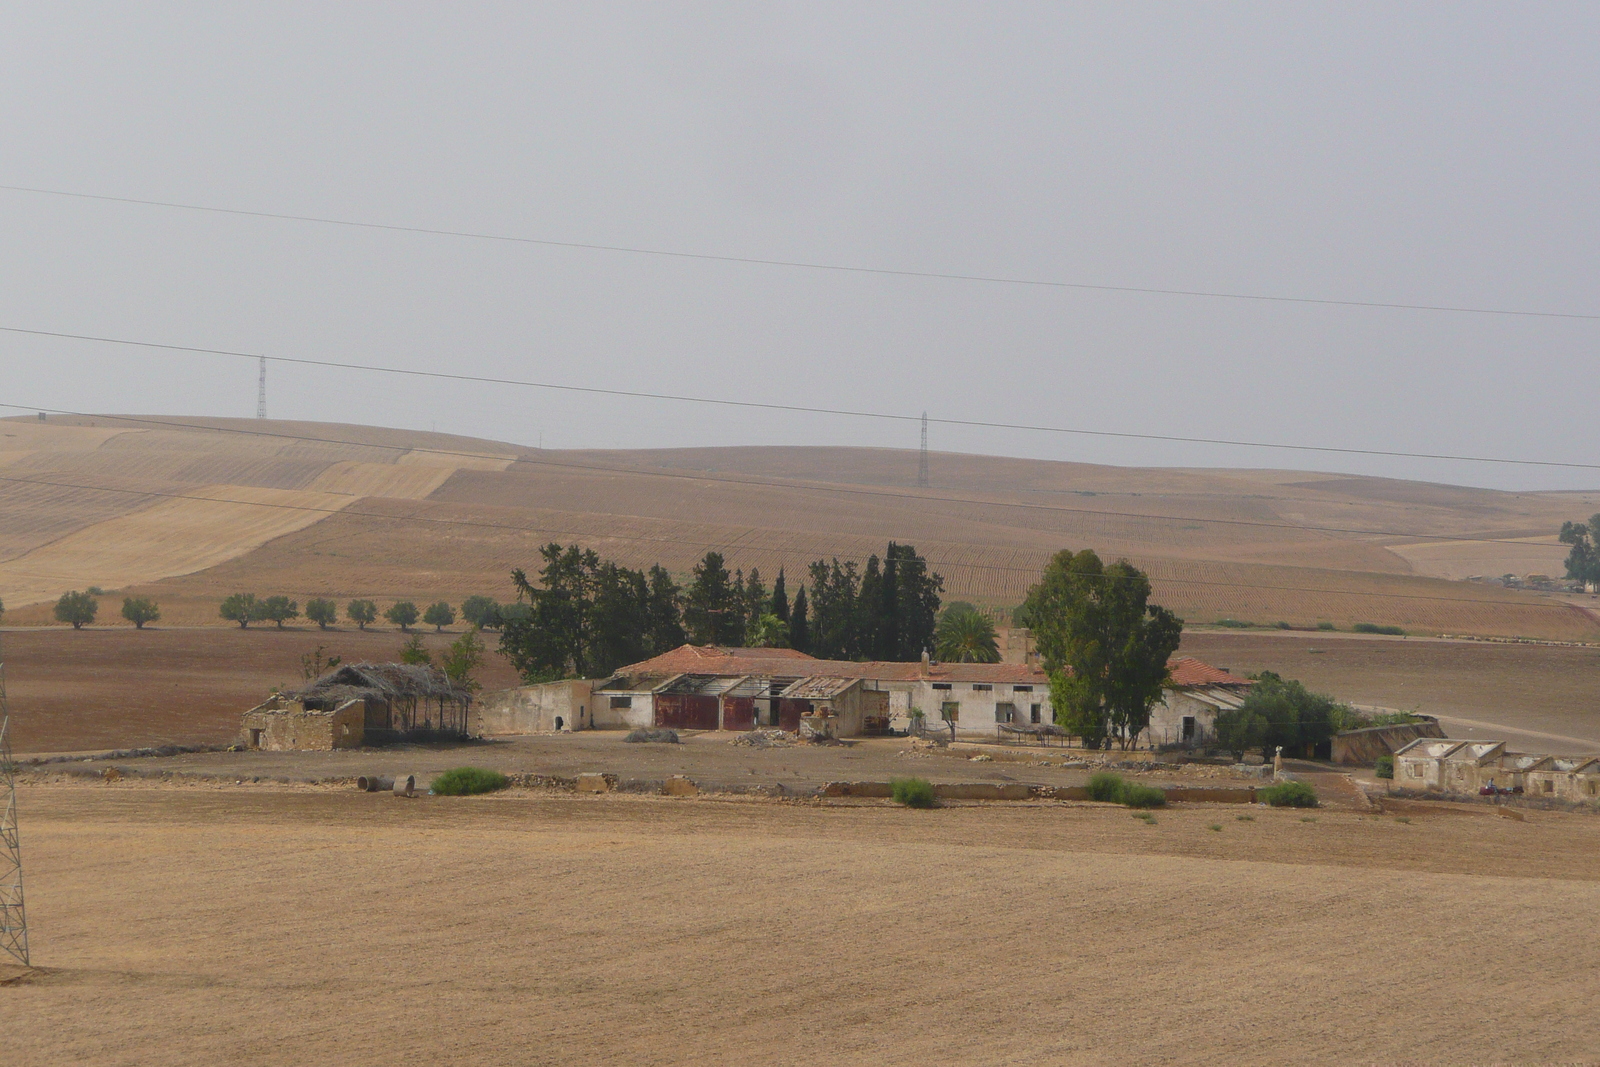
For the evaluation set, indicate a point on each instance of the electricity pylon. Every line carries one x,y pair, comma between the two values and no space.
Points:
261,391
13,917
922,457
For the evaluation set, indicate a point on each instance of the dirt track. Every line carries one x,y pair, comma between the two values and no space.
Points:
201,926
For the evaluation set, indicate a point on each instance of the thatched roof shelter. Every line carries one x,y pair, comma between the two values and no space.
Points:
391,682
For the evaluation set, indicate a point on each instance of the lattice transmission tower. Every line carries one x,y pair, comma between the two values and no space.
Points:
261,391
13,916
922,457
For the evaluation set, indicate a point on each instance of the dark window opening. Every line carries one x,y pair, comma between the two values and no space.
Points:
981,687
1188,727
1034,712
621,702
941,685
1022,689
560,722
1005,713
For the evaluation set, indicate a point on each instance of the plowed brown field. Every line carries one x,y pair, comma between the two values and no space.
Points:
106,688
204,925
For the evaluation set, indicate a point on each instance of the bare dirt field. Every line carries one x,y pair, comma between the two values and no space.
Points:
715,760
117,687
114,687
1479,689
202,925
190,510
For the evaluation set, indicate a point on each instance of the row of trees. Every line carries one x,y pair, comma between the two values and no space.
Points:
586,616
78,608
246,608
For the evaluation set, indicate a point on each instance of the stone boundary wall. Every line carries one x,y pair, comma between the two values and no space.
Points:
1366,745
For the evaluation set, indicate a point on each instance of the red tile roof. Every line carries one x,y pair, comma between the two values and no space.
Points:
786,662
1188,671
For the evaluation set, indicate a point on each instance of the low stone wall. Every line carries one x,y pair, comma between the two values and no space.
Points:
1365,746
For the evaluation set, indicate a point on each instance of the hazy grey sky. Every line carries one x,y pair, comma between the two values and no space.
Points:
1417,153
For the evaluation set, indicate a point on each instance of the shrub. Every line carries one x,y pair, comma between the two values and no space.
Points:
1111,788
1105,787
140,610
1145,817
1236,624
643,736
415,653
1283,626
1136,795
77,608
1326,626
460,781
1384,767
1374,628
912,792
1288,795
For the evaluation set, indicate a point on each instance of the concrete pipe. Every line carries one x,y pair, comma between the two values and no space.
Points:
406,787
372,783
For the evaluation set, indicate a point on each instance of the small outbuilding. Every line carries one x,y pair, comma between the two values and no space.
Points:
360,704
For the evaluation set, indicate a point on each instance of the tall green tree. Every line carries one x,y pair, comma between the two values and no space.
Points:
1583,560
966,635
835,630
1105,645
552,640
664,612
711,612
800,623
917,593
779,605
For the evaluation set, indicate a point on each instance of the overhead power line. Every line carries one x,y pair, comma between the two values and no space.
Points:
840,490
805,409
697,544
761,261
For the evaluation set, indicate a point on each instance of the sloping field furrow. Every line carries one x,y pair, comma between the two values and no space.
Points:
32,514
166,538
1466,559
380,479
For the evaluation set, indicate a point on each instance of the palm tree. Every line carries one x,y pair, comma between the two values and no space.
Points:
965,636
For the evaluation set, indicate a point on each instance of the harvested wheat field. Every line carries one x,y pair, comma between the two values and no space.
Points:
528,928
190,510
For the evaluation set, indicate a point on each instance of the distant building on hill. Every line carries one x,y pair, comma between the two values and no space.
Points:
360,704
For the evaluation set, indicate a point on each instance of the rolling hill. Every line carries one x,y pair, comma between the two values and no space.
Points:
189,510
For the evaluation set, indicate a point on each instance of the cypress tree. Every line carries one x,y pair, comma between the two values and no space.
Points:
780,598
799,625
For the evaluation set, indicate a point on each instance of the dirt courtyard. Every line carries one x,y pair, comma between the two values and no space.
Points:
198,924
